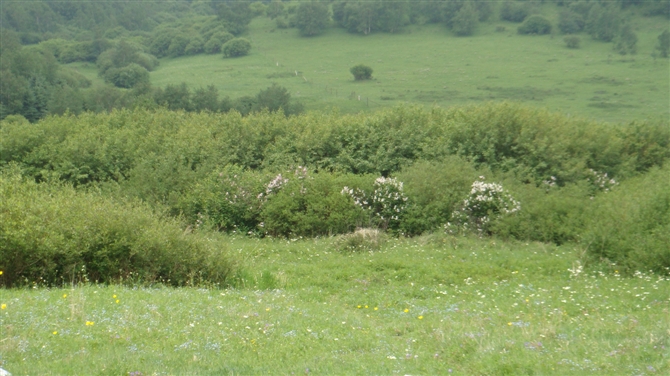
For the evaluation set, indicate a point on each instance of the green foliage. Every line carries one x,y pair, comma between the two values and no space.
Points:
630,226
571,22
486,203
535,25
226,200
311,18
663,44
235,15
434,190
367,17
213,45
174,97
53,235
549,214
303,204
627,41
514,11
236,47
275,9
276,98
361,72
572,41
129,76
465,21
122,56
604,23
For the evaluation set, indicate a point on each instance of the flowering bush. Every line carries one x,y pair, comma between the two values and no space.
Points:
386,203
600,180
485,202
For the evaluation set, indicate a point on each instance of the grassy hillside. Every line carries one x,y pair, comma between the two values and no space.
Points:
426,64
432,305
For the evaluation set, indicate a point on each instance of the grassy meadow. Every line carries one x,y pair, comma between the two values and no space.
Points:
426,64
429,305
213,263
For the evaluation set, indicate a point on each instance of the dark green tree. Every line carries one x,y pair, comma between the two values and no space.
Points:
311,18
126,77
275,9
663,45
604,23
174,97
218,39
514,11
273,98
535,24
570,22
236,47
627,41
392,15
235,15
361,72
465,21
206,99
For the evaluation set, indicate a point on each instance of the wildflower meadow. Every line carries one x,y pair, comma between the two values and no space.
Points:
436,304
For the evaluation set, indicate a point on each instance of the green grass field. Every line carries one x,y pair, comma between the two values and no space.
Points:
425,64
430,305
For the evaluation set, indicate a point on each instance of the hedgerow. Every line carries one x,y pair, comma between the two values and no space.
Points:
269,174
52,234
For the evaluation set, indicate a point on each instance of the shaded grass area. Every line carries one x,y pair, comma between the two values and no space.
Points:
418,306
424,64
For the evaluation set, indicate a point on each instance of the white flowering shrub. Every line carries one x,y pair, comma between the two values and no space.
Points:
600,180
485,202
386,203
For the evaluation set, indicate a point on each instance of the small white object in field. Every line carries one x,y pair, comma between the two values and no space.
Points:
4,373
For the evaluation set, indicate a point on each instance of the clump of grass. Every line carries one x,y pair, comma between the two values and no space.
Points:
363,239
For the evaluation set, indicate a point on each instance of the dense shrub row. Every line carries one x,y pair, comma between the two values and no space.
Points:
533,145
496,169
53,234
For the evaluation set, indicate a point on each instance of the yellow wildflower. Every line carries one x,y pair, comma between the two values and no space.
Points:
0,272
3,306
54,333
376,308
420,317
89,323
406,310
64,295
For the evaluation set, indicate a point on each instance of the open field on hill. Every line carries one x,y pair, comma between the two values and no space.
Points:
425,64
429,305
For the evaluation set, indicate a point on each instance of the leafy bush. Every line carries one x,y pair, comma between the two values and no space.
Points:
535,25
514,11
630,226
229,200
361,72
363,239
52,234
236,47
386,203
129,76
571,22
550,214
213,45
276,98
572,41
485,203
301,204
434,190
